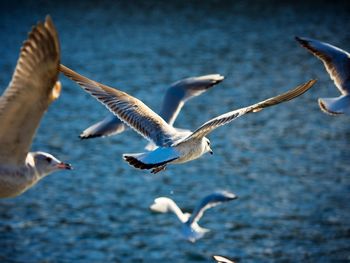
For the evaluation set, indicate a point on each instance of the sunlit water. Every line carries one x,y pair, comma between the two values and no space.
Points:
289,164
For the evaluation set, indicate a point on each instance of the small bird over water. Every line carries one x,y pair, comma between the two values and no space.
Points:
33,87
173,146
337,64
175,98
191,230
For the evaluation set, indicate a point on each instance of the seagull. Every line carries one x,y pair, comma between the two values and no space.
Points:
176,96
191,230
33,87
337,64
173,146
221,259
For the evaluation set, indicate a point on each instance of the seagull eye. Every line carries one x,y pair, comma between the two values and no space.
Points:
48,159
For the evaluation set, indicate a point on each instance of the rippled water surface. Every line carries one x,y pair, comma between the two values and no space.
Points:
289,164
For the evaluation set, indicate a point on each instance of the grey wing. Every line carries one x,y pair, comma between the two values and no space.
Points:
223,119
183,90
210,201
128,109
335,60
110,125
29,93
177,94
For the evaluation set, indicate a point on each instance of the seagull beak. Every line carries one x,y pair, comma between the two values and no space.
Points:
64,166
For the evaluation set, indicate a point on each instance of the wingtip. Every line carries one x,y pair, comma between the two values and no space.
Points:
48,20
84,136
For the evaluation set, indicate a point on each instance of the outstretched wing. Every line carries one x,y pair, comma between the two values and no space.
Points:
209,201
335,60
223,119
129,109
165,205
29,93
183,90
109,126
176,96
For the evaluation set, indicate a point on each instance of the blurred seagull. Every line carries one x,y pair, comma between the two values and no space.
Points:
191,230
337,64
173,146
33,87
221,259
175,98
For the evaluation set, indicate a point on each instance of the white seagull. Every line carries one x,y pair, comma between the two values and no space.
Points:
191,230
337,64
221,259
175,98
33,87
173,146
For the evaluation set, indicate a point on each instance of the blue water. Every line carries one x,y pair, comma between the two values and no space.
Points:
289,164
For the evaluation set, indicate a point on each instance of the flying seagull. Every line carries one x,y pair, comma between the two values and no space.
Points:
337,64
173,146
221,259
175,98
191,230
33,87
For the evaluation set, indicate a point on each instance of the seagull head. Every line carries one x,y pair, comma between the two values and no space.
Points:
46,163
207,147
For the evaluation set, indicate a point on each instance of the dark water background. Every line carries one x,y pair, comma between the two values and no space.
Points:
289,164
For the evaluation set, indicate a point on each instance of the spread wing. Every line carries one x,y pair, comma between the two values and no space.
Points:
335,60
110,125
129,109
29,93
183,90
223,119
176,96
210,201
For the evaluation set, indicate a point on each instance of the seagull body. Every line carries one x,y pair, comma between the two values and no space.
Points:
173,146
337,64
33,87
190,228
175,98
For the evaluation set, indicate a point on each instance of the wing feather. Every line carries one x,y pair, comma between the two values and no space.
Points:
223,119
129,109
210,201
335,60
182,91
29,93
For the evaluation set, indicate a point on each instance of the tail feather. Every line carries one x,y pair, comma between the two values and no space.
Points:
151,160
335,106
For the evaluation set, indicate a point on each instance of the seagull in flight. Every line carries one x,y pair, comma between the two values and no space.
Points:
190,228
175,98
173,146
337,64
33,87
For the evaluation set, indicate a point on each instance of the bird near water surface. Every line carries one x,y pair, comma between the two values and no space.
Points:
190,228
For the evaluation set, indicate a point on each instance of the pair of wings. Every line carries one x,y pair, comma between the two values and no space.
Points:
150,125
164,204
335,60
175,97
28,95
